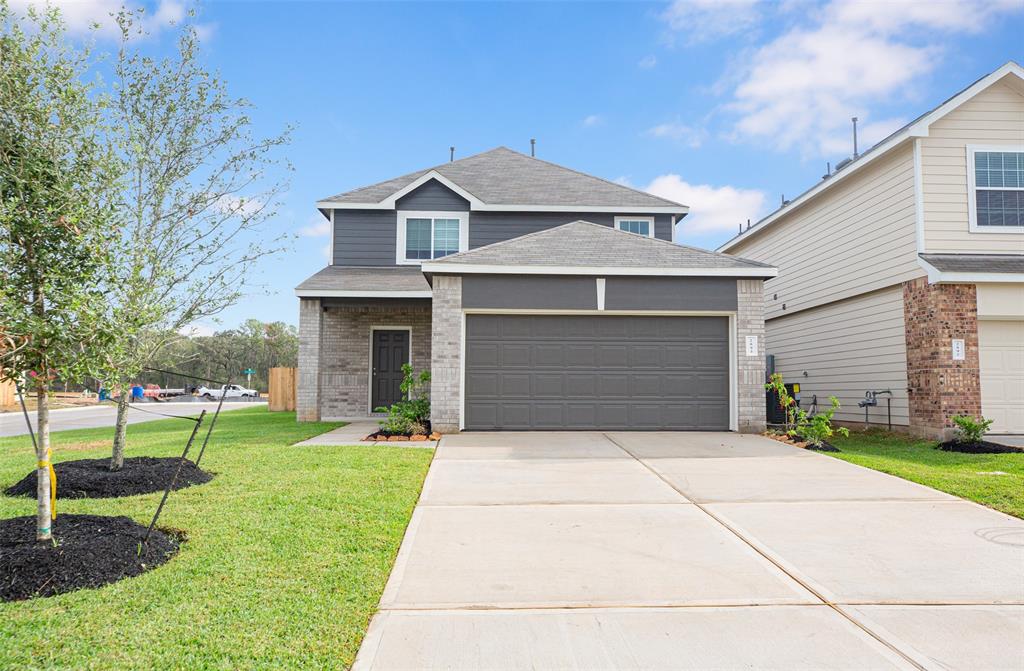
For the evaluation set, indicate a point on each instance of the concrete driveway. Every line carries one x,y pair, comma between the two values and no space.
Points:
692,551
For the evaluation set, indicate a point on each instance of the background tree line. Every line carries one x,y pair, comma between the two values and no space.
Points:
225,354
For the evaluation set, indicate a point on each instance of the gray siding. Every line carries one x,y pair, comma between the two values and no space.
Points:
670,293
433,196
540,292
364,237
486,228
367,237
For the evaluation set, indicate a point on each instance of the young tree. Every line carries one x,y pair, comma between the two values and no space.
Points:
195,201
56,180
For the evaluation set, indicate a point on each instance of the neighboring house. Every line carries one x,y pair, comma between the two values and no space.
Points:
538,297
904,270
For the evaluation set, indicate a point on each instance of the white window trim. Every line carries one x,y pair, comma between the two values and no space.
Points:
972,201
649,220
404,215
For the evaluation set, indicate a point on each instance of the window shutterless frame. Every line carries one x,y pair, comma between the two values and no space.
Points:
622,224
972,188
401,232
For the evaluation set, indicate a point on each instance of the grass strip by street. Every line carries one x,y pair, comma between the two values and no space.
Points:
993,480
288,552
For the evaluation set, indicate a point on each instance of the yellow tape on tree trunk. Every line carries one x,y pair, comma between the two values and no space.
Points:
48,464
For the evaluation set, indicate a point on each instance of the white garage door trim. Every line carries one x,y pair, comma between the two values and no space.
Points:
733,364
990,326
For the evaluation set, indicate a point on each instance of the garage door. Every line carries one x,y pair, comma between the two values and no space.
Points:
596,372
1001,349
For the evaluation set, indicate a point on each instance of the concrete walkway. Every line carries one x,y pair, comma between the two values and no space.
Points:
692,551
100,416
355,430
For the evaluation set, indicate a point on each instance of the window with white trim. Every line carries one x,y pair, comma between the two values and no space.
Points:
996,189
430,235
639,225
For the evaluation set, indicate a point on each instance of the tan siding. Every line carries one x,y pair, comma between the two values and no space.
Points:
994,117
858,236
846,348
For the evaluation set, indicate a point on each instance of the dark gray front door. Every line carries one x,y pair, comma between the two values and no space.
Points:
390,351
597,372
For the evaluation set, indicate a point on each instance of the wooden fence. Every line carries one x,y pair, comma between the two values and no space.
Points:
8,394
282,389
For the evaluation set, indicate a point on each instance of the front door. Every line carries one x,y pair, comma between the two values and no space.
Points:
390,351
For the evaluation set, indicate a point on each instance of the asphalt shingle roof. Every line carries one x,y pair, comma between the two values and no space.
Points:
505,177
584,244
976,263
366,278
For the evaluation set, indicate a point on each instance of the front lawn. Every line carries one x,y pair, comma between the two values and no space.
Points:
994,480
288,552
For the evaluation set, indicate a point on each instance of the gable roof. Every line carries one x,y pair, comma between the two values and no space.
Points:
919,127
502,179
585,248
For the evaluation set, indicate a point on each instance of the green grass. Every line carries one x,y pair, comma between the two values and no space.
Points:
971,476
288,552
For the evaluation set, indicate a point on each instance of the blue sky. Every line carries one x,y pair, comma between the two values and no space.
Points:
723,106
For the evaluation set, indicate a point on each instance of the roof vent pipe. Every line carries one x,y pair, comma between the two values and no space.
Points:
748,224
828,170
533,147
855,154
451,154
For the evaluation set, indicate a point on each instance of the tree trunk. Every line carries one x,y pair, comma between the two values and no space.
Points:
43,532
117,458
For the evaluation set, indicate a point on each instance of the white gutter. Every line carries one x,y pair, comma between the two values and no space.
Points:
488,269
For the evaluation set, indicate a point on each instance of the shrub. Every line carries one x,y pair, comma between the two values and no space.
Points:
786,402
817,429
411,414
970,430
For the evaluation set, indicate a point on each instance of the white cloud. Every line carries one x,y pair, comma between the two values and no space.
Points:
328,252
196,330
647,62
81,15
713,209
801,89
679,132
592,121
245,207
317,227
707,20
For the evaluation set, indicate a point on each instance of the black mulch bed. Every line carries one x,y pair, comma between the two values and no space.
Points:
91,551
93,479
824,447
983,447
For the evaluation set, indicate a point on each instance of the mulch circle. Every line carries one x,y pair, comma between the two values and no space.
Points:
983,447
93,479
90,551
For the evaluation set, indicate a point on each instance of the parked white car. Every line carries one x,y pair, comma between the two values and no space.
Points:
234,391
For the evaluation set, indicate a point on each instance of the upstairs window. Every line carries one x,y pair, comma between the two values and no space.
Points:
996,176
430,235
639,225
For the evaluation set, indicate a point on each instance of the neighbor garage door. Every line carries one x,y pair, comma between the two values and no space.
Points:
596,372
1001,349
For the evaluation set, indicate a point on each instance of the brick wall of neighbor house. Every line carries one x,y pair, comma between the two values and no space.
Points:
750,370
345,353
935,314
446,365
307,398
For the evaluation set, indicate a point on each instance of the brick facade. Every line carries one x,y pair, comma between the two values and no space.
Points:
750,370
446,364
940,387
334,354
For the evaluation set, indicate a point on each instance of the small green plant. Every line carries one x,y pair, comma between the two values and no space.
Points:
970,430
411,414
816,429
786,402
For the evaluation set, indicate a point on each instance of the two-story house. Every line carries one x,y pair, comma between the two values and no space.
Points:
904,270
539,297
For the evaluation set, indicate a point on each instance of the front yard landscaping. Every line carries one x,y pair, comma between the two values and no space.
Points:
286,552
994,480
